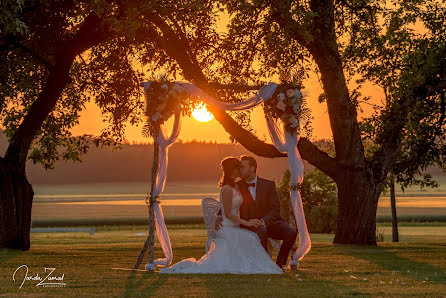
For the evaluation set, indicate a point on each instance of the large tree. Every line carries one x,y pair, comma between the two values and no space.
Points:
376,41
36,57
56,56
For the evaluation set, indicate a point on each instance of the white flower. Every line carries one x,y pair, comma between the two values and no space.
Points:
285,117
290,93
163,97
296,108
281,105
281,96
161,106
178,88
294,122
298,93
164,87
292,100
172,93
157,116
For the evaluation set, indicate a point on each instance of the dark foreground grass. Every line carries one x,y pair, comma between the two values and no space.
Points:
95,221
415,266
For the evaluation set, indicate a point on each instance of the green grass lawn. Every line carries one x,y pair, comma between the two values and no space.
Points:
414,266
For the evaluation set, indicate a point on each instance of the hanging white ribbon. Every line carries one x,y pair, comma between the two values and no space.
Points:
264,93
286,142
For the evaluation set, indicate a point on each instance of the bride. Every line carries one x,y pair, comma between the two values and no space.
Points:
234,250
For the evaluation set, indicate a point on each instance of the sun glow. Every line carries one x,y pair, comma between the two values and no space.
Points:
202,114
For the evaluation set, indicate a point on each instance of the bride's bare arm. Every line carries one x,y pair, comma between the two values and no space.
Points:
227,205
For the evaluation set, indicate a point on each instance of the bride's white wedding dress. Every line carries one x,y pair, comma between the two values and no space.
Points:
234,250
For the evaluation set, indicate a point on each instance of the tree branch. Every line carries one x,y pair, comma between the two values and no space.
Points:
192,72
177,48
281,14
324,48
356,7
13,43
383,158
235,87
316,157
87,36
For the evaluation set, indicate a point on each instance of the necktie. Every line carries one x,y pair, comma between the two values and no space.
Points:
251,184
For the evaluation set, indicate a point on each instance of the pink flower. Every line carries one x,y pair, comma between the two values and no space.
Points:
298,93
296,108
177,87
290,93
157,116
294,122
161,106
281,105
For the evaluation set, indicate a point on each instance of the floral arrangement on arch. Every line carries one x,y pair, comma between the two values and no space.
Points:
288,104
163,99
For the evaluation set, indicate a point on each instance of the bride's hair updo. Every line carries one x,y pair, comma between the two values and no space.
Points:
228,165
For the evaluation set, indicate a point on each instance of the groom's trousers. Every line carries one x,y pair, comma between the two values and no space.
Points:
279,230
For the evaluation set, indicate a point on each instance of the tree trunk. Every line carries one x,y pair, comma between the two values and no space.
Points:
357,205
16,197
16,194
393,207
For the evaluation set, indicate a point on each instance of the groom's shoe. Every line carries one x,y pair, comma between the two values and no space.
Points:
284,268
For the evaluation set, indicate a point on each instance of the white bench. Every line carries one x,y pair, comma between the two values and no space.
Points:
211,207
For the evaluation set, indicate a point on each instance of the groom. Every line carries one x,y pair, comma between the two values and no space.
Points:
260,201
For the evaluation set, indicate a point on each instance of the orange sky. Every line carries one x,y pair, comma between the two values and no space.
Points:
91,119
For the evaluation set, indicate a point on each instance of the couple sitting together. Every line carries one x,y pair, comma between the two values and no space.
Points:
250,214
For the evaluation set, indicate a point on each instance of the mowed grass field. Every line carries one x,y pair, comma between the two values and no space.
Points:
72,203
414,266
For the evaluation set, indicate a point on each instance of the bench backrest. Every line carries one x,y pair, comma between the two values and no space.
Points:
210,208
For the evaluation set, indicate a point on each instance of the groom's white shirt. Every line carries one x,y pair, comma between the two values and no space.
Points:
252,190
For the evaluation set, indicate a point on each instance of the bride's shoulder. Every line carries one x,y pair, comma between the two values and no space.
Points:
226,187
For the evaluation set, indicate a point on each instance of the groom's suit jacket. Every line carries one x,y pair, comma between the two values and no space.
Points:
266,206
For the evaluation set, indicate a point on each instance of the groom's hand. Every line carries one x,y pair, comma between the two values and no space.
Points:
218,222
257,222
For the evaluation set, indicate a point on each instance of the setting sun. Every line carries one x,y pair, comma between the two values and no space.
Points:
202,114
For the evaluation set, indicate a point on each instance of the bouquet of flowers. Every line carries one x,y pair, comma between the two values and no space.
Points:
163,99
288,104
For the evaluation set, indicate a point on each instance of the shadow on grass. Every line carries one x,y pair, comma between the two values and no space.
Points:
274,285
7,254
388,260
148,284
145,283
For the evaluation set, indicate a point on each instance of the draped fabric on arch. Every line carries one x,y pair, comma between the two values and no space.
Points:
262,95
288,144
284,142
161,229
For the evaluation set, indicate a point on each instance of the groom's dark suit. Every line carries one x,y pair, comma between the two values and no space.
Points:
266,206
